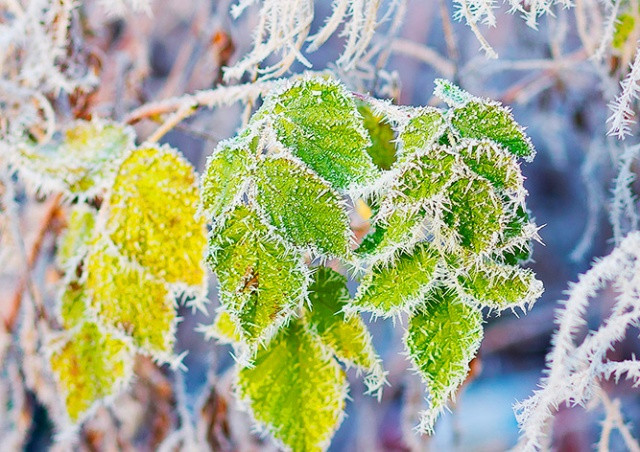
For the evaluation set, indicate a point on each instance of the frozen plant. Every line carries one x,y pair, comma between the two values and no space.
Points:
449,231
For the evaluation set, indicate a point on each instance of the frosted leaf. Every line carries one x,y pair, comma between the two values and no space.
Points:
473,214
500,286
129,299
224,328
443,336
295,390
488,160
387,289
226,173
451,94
399,230
317,119
490,120
82,163
89,366
347,337
515,245
425,126
382,149
302,207
75,240
73,304
261,280
424,174
152,212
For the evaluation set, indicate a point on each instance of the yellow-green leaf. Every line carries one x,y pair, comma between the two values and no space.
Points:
131,300
152,212
261,279
90,366
295,390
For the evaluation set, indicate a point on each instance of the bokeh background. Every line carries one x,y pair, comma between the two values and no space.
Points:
554,90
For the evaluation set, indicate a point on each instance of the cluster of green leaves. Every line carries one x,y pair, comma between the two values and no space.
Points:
125,262
448,233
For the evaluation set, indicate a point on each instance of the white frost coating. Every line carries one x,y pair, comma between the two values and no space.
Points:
623,214
284,26
575,368
622,113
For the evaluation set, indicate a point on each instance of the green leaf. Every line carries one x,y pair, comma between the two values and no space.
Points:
302,207
317,119
224,178
261,280
82,163
488,160
295,389
73,244
424,175
88,367
483,119
347,337
424,128
127,298
451,94
387,289
152,212
442,338
382,149
515,246
500,286
474,214
402,228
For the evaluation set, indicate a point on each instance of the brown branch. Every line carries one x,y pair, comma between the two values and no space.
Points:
51,212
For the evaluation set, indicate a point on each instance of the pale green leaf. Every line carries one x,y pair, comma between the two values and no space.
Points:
317,119
261,279
401,228
82,163
443,336
88,367
75,240
488,160
302,207
423,175
73,304
295,390
387,289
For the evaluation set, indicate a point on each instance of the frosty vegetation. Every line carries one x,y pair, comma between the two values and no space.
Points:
278,213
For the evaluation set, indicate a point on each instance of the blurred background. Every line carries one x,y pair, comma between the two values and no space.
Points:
555,91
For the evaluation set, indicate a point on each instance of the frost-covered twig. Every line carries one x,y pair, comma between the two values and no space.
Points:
623,214
575,368
614,420
622,114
